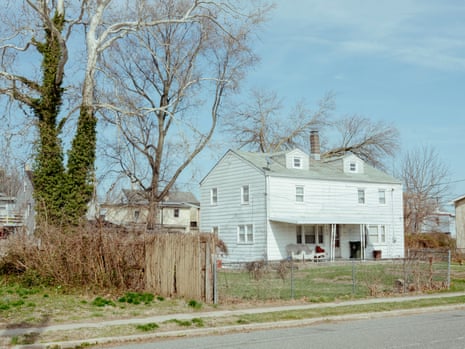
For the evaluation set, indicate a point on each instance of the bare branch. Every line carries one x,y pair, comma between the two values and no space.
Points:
371,141
424,177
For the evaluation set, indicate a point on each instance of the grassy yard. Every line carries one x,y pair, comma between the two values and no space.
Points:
323,282
22,305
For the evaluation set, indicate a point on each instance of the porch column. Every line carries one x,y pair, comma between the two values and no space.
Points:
362,241
333,242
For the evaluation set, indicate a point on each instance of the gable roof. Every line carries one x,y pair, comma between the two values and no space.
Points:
460,198
138,197
327,169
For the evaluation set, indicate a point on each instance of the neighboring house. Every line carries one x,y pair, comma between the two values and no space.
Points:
9,219
178,212
459,204
17,212
439,222
260,203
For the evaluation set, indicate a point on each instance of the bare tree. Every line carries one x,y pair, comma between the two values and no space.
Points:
170,92
261,125
425,183
371,141
38,38
264,125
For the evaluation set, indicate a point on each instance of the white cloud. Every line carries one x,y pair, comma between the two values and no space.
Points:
419,32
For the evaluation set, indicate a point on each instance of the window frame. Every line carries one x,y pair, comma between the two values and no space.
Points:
320,233
352,166
245,194
297,162
247,232
310,234
214,196
378,237
299,197
176,212
361,199
298,234
382,196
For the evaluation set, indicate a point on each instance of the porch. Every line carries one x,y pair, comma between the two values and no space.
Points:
300,240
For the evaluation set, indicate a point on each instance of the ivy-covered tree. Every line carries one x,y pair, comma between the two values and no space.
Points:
62,191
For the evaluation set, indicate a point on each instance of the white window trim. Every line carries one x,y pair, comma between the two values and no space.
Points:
243,201
353,166
304,230
359,190
381,231
299,160
246,234
383,197
297,195
214,196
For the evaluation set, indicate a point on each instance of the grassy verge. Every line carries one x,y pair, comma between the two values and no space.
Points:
22,305
218,322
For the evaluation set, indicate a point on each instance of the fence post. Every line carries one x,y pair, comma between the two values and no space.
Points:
215,280
353,277
448,268
292,278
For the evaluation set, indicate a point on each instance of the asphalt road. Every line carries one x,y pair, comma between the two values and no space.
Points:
436,330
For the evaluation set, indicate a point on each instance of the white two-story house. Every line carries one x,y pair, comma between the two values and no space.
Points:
260,203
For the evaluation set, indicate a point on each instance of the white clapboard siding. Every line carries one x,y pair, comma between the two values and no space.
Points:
229,175
330,198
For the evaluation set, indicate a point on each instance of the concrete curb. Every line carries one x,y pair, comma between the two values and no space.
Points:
228,329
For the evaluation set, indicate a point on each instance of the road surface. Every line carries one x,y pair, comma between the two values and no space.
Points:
438,330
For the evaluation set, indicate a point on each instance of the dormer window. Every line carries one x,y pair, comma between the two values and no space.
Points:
297,162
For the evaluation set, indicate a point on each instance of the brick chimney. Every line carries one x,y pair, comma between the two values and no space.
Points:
314,145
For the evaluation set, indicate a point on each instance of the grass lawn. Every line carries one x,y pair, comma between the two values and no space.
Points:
40,306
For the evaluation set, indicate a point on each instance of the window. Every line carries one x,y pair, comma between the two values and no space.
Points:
309,234
215,230
136,215
361,196
353,167
320,234
245,194
297,162
377,233
214,196
245,233
382,196
299,193
176,212
310,237
298,234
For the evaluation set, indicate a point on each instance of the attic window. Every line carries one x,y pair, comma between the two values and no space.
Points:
353,167
297,162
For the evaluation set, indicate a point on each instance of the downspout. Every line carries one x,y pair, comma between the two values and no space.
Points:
392,246
267,214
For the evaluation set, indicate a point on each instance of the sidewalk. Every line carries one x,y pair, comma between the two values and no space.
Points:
218,314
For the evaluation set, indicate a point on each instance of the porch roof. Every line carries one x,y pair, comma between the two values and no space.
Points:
310,220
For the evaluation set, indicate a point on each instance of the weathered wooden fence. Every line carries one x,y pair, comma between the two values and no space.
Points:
180,265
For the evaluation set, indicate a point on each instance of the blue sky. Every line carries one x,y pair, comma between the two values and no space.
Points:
399,61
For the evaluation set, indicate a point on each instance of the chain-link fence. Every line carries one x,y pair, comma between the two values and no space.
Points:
420,271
